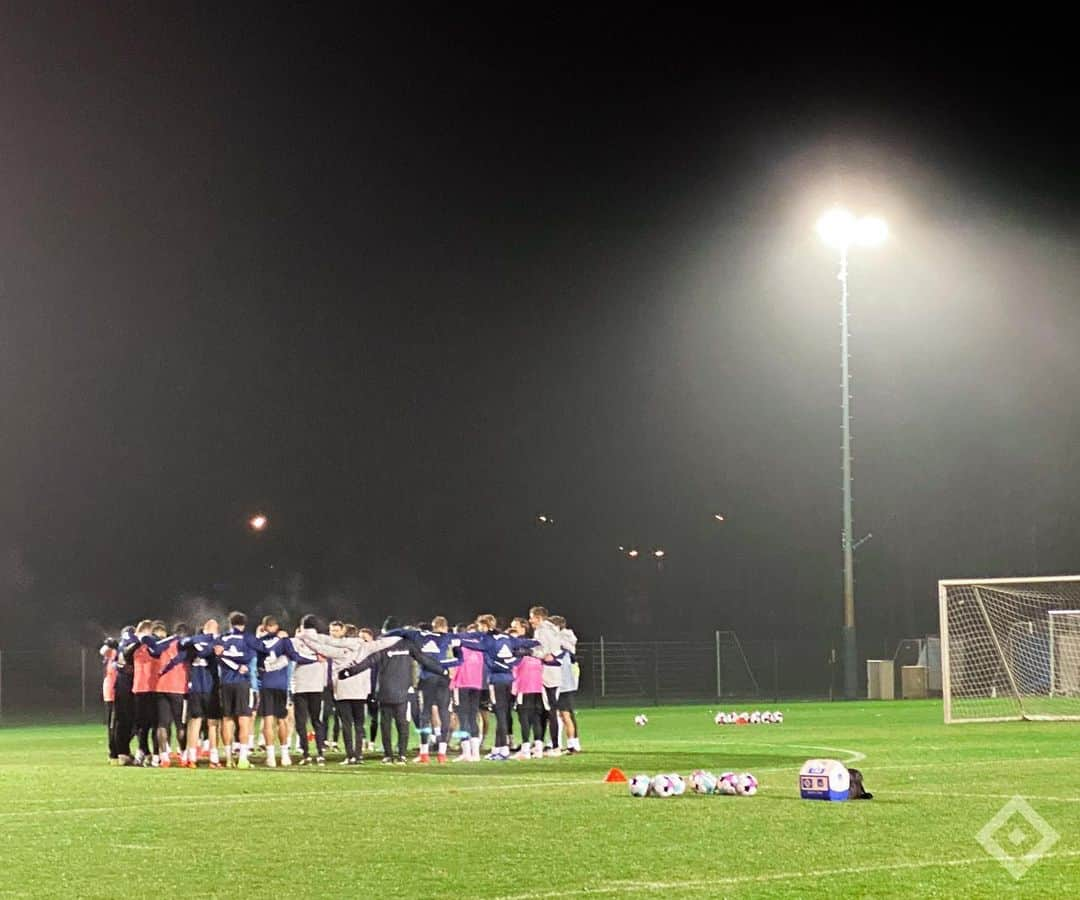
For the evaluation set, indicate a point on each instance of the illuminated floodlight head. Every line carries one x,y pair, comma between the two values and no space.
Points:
718,516
633,554
836,227
839,228
658,553
258,522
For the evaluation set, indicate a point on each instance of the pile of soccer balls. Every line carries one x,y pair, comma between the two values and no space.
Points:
700,782
754,718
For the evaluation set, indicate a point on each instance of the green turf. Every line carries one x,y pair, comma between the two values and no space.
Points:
72,826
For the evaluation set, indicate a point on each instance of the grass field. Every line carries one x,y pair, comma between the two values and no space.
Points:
72,826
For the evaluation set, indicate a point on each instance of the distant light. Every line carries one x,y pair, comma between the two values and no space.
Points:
658,553
545,520
633,554
258,523
718,517
840,228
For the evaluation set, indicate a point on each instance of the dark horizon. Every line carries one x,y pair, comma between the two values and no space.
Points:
405,285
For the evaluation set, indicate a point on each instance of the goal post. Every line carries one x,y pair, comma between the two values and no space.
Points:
1064,652
1010,648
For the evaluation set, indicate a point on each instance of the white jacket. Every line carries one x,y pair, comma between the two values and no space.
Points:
550,643
343,652
311,678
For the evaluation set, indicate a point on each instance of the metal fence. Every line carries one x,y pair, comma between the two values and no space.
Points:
656,672
36,683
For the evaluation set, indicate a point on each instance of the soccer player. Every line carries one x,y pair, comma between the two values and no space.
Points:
204,700
308,684
568,687
274,687
122,726
528,688
108,694
237,653
550,648
171,691
144,684
467,689
395,678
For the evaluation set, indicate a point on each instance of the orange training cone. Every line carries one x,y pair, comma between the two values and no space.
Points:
614,776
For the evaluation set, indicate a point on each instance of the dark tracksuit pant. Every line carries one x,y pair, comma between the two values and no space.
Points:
398,713
146,721
308,706
468,710
351,713
529,707
502,699
122,721
551,702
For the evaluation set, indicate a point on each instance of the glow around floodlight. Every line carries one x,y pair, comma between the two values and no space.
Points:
836,227
258,522
633,554
870,231
718,517
658,553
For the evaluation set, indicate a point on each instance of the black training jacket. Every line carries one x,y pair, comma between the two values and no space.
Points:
395,670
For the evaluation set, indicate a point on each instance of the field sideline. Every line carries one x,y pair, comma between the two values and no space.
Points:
73,826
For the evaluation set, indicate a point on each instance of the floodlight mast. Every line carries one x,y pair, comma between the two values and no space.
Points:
840,229
849,644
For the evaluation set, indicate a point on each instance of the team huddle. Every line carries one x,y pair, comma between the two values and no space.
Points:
222,695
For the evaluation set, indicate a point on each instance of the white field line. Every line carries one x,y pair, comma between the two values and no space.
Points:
273,794
1027,760
712,884
968,796
854,756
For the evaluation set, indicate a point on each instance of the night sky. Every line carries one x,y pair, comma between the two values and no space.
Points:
405,284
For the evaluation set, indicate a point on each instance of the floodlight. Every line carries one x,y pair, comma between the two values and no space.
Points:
836,227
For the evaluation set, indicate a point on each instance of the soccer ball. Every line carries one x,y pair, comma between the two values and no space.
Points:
719,718
766,718
704,784
678,784
755,718
639,786
729,718
728,784
663,786
778,717
641,719
746,785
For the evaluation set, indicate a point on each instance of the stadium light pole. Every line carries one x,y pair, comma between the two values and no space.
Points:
842,230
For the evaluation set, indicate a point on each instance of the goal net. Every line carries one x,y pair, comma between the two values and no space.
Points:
1010,648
